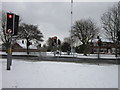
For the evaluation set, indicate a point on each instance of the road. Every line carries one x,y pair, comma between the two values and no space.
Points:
66,59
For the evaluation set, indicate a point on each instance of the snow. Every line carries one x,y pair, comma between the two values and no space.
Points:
24,45
106,56
102,39
41,74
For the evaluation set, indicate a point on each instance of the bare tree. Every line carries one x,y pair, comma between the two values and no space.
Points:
3,37
111,23
2,32
29,32
85,30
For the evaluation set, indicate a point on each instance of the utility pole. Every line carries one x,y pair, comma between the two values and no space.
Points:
71,26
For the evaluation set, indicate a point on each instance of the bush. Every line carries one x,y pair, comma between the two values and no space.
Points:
80,49
65,47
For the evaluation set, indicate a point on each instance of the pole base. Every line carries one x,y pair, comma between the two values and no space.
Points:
8,68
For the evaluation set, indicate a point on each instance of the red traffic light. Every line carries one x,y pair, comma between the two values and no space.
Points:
55,37
10,16
99,42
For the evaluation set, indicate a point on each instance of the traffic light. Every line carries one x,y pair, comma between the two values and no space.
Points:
59,42
16,24
99,42
10,24
55,39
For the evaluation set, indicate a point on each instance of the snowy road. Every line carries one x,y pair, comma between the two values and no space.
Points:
58,75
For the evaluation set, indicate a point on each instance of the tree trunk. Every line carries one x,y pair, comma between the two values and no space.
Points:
27,46
85,49
115,48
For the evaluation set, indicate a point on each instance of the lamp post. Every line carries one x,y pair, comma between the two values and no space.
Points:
71,26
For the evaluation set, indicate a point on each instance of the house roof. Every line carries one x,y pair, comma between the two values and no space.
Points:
23,45
16,45
103,40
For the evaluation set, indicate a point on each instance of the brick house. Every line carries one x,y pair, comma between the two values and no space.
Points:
106,47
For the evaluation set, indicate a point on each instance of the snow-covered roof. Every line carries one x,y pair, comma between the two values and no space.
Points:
103,40
23,45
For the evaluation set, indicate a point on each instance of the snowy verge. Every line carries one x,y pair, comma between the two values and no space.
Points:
58,75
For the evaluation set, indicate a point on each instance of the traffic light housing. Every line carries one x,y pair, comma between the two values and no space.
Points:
55,39
59,42
10,24
99,42
16,24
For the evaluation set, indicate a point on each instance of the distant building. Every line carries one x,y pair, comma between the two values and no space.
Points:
17,46
23,42
106,47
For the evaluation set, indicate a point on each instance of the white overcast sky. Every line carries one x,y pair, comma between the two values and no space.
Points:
54,18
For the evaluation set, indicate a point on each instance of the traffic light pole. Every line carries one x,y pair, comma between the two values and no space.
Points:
9,56
99,53
99,48
12,24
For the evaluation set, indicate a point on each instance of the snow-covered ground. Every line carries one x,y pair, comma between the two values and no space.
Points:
58,75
